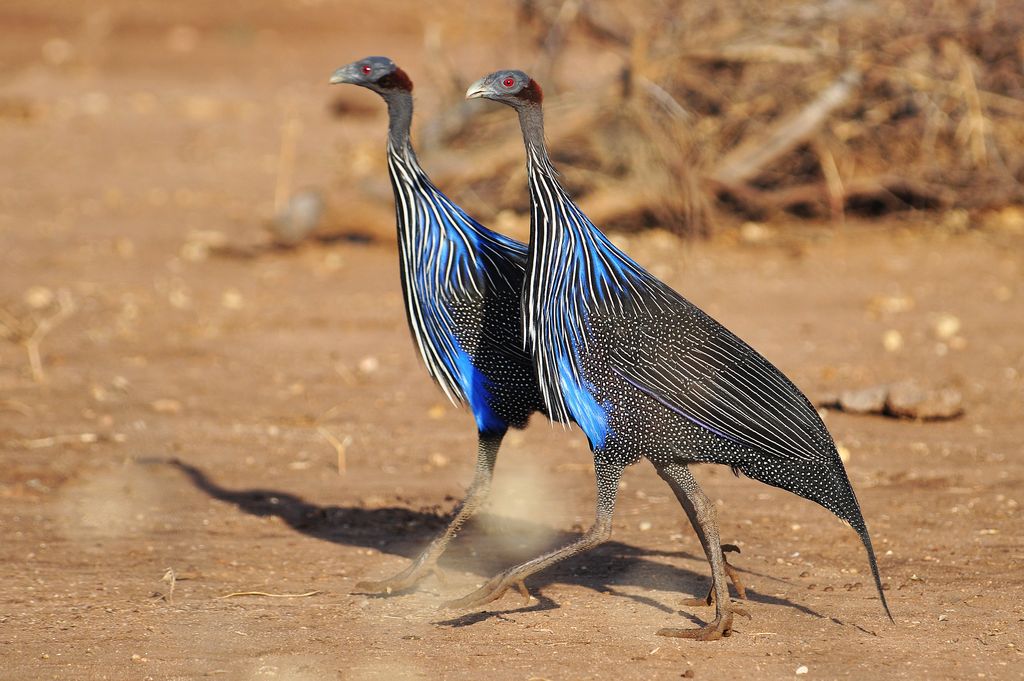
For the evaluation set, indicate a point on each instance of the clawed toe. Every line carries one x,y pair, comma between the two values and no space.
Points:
372,587
698,602
384,586
403,581
491,591
521,588
473,600
710,632
733,574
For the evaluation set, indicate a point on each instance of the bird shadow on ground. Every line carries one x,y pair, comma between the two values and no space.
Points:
405,532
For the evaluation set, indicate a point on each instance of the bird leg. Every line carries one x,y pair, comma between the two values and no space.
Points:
703,517
734,577
607,488
426,563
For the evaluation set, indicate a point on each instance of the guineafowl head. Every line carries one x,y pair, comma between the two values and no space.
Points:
379,74
514,88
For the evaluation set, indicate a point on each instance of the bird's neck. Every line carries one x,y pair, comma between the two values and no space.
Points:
427,222
545,190
566,249
399,119
547,197
406,179
531,120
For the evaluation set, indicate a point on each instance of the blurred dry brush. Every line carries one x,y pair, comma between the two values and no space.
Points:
757,110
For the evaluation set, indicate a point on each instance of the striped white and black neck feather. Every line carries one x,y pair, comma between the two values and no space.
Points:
573,272
446,259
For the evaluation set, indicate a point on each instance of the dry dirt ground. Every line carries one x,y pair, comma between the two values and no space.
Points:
189,402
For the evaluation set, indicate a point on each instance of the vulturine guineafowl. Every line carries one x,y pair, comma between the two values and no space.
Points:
645,373
462,285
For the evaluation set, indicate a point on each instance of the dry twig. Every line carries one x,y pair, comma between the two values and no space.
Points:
76,438
170,578
31,333
269,595
749,159
976,122
928,116
340,446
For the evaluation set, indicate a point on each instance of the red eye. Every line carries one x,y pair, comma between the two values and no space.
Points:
508,82
367,69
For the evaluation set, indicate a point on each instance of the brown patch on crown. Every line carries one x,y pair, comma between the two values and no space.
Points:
396,80
532,92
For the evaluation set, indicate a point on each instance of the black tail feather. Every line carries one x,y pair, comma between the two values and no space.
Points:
827,485
848,509
865,538
862,530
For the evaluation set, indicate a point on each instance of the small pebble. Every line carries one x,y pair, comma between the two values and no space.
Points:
892,340
864,401
298,219
908,400
802,669
166,406
1009,220
946,326
755,233
232,299
891,304
39,297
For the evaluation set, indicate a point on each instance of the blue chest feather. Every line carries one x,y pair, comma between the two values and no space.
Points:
449,256
477,390
591,416
577,274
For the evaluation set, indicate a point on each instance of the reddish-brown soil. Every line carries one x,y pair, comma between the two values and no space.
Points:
185,415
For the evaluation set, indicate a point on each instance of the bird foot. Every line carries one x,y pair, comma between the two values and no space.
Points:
733,573
734,577
403,581
491,591
714,631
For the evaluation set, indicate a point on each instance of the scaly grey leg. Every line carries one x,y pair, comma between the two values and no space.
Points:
426,563
608,474
704,518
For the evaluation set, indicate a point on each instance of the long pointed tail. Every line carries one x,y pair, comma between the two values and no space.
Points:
862,530
830,487
849,510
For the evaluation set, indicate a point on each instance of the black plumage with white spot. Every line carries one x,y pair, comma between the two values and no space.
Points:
645,373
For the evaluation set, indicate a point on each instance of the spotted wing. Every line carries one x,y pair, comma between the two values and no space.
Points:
699,369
